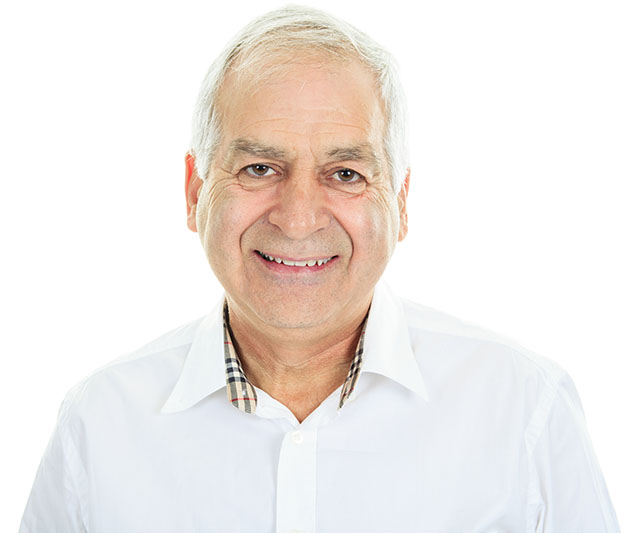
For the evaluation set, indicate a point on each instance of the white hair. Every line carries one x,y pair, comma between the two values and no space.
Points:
274,36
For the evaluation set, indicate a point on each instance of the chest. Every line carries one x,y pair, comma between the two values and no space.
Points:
394,473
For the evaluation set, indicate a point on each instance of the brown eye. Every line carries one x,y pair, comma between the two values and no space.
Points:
259,170
347,175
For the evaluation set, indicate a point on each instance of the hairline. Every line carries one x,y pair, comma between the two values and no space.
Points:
333,40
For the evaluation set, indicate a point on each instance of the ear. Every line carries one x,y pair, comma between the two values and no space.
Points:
193,186
402,207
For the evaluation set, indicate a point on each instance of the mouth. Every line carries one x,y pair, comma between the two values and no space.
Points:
309,262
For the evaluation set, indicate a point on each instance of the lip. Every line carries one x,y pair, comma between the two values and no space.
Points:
292,269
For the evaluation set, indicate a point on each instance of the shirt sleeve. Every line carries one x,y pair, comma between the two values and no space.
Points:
55,504
570,489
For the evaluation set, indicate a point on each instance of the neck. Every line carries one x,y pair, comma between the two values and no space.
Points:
299,367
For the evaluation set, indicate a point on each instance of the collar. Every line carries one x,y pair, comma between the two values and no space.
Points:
387,347
204,370
387,351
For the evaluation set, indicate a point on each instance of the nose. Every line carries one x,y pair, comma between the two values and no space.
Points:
300,210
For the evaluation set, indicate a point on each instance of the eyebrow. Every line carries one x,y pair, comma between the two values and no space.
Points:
363,152
360,152
246,146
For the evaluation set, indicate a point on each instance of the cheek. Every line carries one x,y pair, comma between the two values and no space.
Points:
372,226
223,215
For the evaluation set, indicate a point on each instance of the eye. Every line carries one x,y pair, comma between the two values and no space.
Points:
346,175
259,170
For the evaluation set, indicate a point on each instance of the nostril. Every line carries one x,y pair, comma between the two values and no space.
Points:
299,221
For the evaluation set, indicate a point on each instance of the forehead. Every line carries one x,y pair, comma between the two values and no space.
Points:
308,97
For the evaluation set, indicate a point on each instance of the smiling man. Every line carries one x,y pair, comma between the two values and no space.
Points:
298,217
312,398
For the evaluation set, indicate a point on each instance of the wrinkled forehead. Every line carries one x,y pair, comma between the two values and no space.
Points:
249,72
305,88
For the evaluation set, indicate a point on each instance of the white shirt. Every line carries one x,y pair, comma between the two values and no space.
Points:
450,430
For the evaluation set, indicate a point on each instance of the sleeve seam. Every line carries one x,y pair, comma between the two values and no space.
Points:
72,456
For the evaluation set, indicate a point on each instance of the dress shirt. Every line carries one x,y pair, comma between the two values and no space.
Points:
450,429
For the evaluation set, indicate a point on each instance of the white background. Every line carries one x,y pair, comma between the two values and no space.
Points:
525,203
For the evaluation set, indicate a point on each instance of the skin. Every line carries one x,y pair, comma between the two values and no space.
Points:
300,174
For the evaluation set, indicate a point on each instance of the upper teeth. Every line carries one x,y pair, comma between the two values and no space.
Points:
310,262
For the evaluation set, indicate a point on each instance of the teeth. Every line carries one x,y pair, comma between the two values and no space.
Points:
310,262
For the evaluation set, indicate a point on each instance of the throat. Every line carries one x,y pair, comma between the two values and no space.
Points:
298,367
298,381
301,393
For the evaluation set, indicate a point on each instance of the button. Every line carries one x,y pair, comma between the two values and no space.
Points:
298,438
295,531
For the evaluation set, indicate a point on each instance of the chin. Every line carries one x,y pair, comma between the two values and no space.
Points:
293,312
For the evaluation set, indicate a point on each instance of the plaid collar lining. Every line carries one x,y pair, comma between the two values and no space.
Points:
241,392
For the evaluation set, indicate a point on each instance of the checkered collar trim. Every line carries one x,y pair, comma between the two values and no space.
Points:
241,392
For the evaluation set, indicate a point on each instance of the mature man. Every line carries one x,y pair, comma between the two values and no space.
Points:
312,398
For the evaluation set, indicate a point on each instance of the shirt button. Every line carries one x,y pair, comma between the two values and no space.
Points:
298,438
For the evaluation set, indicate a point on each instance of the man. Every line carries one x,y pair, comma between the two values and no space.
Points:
312,398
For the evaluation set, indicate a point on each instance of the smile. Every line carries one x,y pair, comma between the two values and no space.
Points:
294,263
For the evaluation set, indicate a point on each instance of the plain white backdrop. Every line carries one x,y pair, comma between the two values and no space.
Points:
526,199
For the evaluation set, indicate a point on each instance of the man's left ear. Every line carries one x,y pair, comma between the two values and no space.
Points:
402,206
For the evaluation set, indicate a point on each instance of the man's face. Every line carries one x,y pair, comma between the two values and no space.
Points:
298,216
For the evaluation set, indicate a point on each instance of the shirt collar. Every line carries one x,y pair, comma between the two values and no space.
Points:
204,369
387,351
387,347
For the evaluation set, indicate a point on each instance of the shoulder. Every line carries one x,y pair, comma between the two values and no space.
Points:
445,344
140,379
496,377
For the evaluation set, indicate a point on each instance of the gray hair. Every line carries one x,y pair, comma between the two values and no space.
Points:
306,29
